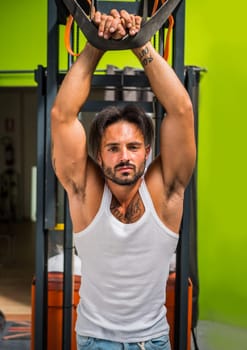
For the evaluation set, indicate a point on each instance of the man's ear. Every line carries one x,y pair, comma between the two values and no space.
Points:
147,151
99,159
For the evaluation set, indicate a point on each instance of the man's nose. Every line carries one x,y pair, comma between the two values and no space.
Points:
124,154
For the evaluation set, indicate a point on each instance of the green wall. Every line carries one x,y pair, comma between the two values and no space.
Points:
215,40
23,39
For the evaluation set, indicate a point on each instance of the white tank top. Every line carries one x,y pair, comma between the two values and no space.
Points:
124,272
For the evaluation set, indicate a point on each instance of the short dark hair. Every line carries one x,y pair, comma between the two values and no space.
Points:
110,115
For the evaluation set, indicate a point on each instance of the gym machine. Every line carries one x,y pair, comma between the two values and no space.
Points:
49,212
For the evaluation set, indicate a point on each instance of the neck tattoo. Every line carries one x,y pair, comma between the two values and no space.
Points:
132,213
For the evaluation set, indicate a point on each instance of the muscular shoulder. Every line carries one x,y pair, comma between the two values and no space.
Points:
167,199
89,179
85,199
156,183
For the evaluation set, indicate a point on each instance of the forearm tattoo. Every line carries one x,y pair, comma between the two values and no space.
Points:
145,56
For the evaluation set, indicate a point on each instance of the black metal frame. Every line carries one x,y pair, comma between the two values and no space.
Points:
41,234
48,81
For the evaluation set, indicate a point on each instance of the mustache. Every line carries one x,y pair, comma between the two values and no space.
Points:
124,163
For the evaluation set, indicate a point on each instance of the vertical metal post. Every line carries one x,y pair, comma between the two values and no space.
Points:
67,281
68,253
182,271
192,85
192,81
46,184
159,110
182,275
178,40
159,115
41,237
51,91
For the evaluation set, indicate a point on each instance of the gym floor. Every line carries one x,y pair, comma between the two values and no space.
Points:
17,267
15,292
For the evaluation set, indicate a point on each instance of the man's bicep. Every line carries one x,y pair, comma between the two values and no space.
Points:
69,151
177,149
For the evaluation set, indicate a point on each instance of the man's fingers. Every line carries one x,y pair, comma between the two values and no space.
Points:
117,24
99,20
138,23
115,13
132,27
121,30
114,24
101,23
92,12
97,17
131,22
126,17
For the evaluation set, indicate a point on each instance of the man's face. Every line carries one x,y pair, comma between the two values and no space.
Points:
123,154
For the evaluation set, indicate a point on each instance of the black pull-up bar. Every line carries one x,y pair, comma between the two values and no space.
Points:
148,29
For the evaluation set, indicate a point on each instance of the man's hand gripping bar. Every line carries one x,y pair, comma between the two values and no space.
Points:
148,29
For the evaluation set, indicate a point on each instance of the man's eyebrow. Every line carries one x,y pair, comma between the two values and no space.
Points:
134,143
111,144
118,143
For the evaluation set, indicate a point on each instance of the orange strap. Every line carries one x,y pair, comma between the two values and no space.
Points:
67,32
169,31
68,26
156,2
168,37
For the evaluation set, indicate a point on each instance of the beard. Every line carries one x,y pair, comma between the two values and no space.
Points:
125,178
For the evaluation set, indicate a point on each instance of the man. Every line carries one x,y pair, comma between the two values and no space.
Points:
125,218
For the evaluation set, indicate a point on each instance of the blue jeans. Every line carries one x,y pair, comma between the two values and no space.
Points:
89,343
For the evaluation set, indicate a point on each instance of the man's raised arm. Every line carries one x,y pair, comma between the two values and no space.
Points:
177,148
69,151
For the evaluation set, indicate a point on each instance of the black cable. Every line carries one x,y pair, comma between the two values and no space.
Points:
194,339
